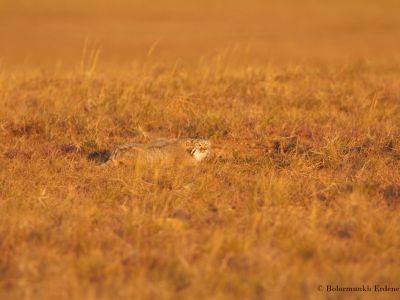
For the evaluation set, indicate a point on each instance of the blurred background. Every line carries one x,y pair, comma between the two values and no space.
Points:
47,33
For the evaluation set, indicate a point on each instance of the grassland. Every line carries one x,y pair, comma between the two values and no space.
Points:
300,100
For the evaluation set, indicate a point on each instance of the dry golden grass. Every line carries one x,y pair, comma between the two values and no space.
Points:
303,189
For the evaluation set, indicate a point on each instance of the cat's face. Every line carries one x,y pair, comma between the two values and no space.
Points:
198,148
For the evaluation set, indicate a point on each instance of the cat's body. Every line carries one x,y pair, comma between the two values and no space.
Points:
156,152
